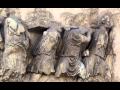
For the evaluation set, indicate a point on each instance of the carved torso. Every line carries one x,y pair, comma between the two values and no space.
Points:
74,42
70,60
16,44
95,62
13,36
45,52
48,43
1,38
99,42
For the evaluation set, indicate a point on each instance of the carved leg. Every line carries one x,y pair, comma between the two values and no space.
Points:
62,66
14,58
6,74
82,71
89,64
100,67
13,63
1,57
47,64
33,66
42,63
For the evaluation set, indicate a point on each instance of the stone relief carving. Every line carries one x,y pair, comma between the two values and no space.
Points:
1,38
39,17
45,51
96,62
82,50
74,41
16,45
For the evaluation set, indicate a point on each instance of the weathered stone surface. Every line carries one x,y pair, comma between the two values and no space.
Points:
74,43
45,51
37,19
16,45
116,49
96,62
32,77
1,39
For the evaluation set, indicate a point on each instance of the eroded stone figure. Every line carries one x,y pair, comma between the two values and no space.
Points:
45,52
112,51
16,44
75,41
95,62
1,38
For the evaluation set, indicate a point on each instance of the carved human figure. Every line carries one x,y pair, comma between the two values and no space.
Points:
95,62
1,37
75,41
113,55
16,45
45,52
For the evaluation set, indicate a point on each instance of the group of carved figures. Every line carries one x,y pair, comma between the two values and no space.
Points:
77,51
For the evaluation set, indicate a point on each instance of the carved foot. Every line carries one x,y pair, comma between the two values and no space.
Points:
35,77
82,71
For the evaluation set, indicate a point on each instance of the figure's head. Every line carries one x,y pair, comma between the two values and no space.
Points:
106,20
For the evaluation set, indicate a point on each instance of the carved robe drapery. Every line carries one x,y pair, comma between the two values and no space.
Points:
16,44
45,52
1,38
97,52
75,42
96,62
